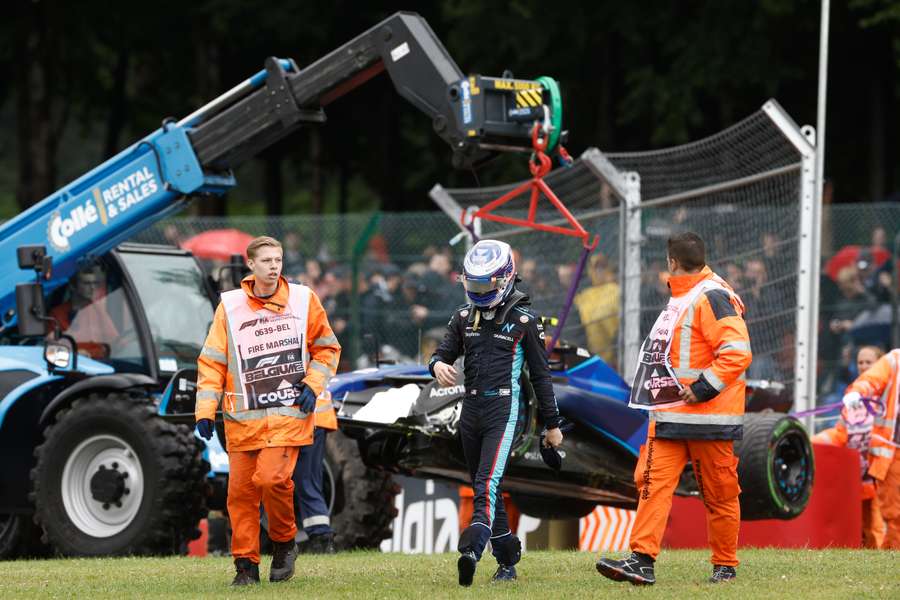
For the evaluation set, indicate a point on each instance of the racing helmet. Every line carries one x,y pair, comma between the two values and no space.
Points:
489,273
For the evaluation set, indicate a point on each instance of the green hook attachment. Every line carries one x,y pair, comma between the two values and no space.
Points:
552,86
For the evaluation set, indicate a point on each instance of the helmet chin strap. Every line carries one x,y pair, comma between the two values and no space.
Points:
510,298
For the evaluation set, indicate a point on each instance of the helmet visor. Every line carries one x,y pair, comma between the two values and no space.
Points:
483,285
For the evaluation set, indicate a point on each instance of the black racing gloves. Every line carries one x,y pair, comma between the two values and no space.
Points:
307,398
205,428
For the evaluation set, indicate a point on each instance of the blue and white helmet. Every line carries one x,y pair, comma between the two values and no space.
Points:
489,273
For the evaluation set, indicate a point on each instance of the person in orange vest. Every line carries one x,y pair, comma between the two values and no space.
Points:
269,354
690,377
314,515
854,430
882,382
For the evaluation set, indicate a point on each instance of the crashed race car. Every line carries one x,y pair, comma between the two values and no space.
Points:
405,423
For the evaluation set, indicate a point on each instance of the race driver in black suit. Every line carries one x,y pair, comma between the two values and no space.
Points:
497,335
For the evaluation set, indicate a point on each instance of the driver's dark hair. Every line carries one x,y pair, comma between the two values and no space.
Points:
88,268
688,249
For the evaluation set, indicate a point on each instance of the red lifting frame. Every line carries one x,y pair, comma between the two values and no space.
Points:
536,186
540,165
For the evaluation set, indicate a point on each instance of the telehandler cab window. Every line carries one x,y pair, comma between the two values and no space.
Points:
171,287
93,309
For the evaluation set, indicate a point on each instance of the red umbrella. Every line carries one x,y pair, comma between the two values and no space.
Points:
218,244
848,255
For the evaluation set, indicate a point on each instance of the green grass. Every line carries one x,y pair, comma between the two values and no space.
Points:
797,574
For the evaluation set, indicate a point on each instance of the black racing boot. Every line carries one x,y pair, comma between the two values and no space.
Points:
318,544
283,556
637,569
247,572
507,549
504,573
722,573
466,567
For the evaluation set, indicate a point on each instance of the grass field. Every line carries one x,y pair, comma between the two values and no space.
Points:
797,575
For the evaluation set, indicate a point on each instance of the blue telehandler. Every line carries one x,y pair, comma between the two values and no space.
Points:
99,337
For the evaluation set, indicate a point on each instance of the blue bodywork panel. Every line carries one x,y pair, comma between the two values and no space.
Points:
31,358
598,397
215,455
361,379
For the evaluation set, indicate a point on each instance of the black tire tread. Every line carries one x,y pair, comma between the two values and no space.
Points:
754,450
368,509
22,540
181,486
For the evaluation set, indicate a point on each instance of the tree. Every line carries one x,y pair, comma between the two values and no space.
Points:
87,79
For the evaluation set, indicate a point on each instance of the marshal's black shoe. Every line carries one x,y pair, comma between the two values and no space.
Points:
636,569
504,573
722,573
247,572
318,544
283,556
466,567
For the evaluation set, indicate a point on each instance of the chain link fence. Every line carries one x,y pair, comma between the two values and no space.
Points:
397,259
392,277
387,276
740,190
594,192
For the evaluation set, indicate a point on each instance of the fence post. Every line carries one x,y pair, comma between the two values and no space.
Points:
359,251
631,276
627,186
807,327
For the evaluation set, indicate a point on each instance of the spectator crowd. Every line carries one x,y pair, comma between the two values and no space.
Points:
402,300
400,306
403,304
854,303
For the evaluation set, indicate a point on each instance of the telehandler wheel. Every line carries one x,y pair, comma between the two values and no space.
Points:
113,478
363,498
20,537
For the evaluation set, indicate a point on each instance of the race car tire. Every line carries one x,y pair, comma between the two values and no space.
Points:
776,466
363,507
113,478
543,507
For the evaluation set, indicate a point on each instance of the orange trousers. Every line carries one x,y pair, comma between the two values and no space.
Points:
659,468
261,475
873,524
888,492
